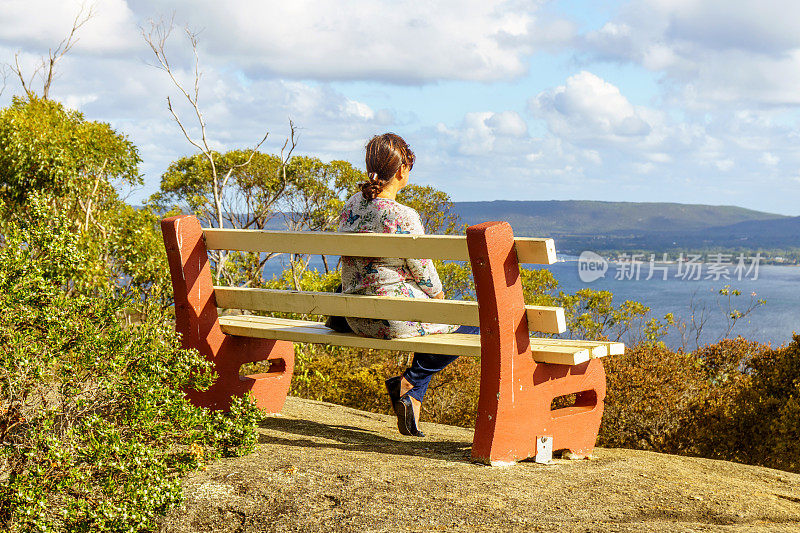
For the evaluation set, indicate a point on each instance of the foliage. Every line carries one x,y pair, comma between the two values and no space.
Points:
317,192
45,147
248,197
733,400
591,314
139,258
769,410
650,392
49,153
434,206
95,430
301,194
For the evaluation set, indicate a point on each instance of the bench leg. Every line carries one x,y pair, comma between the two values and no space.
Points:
197,321
517,392
269,389
518,422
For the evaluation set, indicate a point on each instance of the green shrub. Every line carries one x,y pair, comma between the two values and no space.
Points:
94,429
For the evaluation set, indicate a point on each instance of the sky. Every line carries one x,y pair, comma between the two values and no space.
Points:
689,101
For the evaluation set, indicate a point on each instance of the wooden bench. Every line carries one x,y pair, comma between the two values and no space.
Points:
520,375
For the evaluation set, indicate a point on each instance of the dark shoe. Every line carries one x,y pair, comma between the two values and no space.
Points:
405,417
393,388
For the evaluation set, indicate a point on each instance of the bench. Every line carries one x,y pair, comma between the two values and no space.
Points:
520,375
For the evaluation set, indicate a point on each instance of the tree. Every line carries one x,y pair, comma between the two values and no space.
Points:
56,151
434,206
304,193
156,38
51,153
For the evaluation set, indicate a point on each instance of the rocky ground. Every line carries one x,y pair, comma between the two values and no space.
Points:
322,467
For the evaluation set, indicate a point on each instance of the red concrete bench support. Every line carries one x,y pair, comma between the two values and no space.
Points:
197,321
516,392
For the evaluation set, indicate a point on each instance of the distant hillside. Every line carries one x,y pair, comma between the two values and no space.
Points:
633,225
589,217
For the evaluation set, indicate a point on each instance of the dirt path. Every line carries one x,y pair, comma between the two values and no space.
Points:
322,467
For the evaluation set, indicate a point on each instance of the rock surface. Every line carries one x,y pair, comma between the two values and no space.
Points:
323,467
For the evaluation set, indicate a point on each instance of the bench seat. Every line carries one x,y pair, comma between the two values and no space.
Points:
557,351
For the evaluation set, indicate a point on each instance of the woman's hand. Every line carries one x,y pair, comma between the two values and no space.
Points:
439,296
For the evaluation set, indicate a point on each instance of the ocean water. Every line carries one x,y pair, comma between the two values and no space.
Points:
774,322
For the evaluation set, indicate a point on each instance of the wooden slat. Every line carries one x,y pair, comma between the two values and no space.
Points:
596,348
614,348
449,247
543,319
542,350
546,319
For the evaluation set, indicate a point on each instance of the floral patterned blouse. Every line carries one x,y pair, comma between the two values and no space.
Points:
382,276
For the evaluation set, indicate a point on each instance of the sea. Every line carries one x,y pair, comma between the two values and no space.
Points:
686,291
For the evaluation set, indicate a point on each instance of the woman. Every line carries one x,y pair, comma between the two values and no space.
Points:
389,162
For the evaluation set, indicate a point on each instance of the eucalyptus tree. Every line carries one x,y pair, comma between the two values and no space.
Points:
54,154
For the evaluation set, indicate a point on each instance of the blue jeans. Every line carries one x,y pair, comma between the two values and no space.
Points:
425,365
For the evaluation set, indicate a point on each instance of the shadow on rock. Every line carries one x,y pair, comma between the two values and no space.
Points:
352,438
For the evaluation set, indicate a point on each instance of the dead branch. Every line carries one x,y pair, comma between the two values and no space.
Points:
156,38
18,71
65,46
47,67
4,74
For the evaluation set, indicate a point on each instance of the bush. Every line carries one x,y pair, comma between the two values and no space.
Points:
674,401
94,427
735,400
769,410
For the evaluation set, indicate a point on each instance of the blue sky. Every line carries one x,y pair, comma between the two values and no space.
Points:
692,101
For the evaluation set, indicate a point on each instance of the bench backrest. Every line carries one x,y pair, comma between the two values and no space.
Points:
445,247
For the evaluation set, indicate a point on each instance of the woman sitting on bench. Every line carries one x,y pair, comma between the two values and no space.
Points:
374,210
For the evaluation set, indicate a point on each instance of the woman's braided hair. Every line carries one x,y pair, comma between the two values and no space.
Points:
385,154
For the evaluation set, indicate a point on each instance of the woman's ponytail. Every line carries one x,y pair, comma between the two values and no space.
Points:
373,186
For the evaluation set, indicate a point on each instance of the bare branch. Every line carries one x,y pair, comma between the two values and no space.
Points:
246,163
4,73
292,139
65,46
26,86
222,206
47,67
183,129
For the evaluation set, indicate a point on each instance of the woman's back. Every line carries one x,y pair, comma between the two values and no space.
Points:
410,278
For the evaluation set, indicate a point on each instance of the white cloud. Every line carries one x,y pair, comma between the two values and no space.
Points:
507,124
769,159
589,108
483,133
713,52
724,164
408,41
39,25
